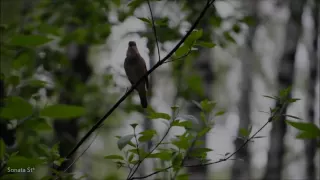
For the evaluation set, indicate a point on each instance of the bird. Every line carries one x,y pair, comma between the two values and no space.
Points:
135,67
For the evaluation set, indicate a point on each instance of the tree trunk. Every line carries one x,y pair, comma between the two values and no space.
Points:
241,168
311,145
67,131
202,67
285,80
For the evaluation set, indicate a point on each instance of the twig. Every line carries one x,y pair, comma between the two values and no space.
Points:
154,30
244,144
139,159
185,157
224,159
155,147
154,173
114,107
179,58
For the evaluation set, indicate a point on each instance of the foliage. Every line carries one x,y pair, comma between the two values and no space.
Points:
35,50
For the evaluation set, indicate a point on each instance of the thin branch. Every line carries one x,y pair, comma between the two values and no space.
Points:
156,146
154,173
139,159
185,157
115,106
244,144
272,118
180,58
154,30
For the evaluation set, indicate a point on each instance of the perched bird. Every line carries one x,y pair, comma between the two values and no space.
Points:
135,68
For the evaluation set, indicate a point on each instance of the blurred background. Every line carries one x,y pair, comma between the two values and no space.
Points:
63,52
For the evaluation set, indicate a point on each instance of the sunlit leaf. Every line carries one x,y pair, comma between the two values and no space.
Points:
244,132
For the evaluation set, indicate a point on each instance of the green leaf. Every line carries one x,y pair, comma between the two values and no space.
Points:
14,80
162,22
182,142
135,3
157,115
292,100
284,93
163,155
16,108
134,125
29,40
228,37
182,51
113,157
206,44
183,177
185,124
220,113
307,135
49,29
195,83
303,126
176,161
37,124
204,131
37,83
236,28
16,162
244,132
174,108
62,111
123,141
148,21
207,106
147,135
270,97
194,36
249,20
216,21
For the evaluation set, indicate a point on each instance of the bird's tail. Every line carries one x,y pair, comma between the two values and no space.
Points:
143,99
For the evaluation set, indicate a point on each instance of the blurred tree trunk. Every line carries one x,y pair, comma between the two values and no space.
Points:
241,168
311,145
147,124
285,80
151,46
67,130
202,67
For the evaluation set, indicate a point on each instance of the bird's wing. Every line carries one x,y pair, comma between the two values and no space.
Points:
129,71
145,68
